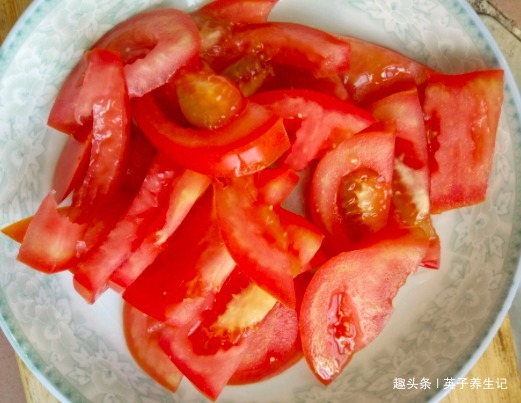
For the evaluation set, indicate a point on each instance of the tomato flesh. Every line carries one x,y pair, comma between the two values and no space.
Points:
462,116
324,121
341,201
142,335
252,140
349,300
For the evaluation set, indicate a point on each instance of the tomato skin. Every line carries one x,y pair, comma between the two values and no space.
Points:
462,117
252,141
373,151
142,335
325,121
51,241
349,300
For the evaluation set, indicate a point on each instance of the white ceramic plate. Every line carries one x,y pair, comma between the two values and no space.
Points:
444,319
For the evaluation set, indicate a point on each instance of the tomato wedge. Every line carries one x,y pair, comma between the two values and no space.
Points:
292,44
351,188
274,347
187,187
142,335
154,45
51,241
110,134
325,120
220,337
255,238
376,71
175,292
71,167
349,300
252,140
93,271
410,202
462,117
239,11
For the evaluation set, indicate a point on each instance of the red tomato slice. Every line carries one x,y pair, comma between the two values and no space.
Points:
291,77
274,347
255,238
377,71
71,167
292,44
275,185
62,115
142,335
220,337
111,126
51,241
202,263
186,189
93,271
349,301
410,203
239,11
324,120
462,115
304,238
250,142
154,45
351,188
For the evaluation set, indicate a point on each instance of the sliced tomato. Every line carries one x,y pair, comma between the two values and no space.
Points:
255,238
305,239
142,335
207,100
462,115
239,11
62,116
154,45
351,188
291,77
376,71
71,167
51,241
325,120
250,142
93,271
140,155
275,184
349,300
183,280
410,203
274,347
186,189
292,44
111,126
220,337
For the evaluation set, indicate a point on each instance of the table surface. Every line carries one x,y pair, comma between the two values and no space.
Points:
503,17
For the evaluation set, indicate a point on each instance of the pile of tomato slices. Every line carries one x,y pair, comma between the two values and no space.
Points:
256,191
